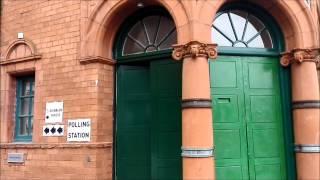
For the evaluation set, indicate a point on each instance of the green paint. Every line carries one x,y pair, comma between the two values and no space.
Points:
148,139
137,149
248,121
284,73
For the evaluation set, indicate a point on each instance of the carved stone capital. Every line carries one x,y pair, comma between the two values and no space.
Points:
194,49
300,55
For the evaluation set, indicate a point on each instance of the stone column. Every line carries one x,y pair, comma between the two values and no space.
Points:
197,130
306,110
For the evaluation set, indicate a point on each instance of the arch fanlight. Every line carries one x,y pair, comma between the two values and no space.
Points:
238,28
20,50
150,34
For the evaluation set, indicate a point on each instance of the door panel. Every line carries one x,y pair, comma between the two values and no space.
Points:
134,113
264,118
148,140
229,125
166,124
247,118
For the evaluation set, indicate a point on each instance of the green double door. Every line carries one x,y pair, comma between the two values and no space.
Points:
247,120
248,131
148,128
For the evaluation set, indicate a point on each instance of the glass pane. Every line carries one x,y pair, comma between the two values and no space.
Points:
32,104
32,88
151,48
216,37
239,21
138,33
253,27
169,41
166,25
224,25
266,38
256,42
256,23
239,44
31,126
24,109
151,24
23,126
152,33
130,47
26,88
249,31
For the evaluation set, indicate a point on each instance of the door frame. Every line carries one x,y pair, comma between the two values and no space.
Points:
284,74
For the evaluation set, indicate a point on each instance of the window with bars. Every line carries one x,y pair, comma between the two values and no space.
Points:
24,108
237,28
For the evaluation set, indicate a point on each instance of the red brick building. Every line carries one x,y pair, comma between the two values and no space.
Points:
128,89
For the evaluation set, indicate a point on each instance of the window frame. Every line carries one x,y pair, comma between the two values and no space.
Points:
19,87
269,22
126,27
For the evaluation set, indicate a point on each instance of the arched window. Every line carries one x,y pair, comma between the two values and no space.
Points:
150,33
238,28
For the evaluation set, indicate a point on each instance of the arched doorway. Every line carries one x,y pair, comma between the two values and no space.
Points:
252,127
148,99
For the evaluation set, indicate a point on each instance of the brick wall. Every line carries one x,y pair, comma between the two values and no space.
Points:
64,162
53,27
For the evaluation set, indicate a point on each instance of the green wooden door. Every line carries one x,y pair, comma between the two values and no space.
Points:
133,123
166,124
248,128
149,121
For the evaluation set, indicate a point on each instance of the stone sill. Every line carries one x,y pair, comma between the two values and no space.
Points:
55,145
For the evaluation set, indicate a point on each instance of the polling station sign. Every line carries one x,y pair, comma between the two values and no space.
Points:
79,130
54,112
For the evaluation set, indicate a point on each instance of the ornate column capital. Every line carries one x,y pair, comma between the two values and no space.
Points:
300,55
194,49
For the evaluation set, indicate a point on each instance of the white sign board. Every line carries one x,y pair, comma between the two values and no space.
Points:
79,130
53,130
54,112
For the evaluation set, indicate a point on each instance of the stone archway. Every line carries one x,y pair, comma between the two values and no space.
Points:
193,21
98,37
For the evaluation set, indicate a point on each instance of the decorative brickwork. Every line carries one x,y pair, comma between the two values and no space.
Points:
194,49
19,51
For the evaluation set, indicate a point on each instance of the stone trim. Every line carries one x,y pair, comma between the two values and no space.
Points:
19,60
300,55
311,104
197,152
30,53
194,49
307,148
97,59
196,103
55,146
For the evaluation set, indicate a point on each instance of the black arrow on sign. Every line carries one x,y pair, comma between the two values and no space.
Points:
53,130
46,130
60,130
